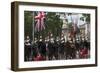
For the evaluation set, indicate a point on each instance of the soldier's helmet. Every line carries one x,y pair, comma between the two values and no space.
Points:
35,40
83,39
47,39
27,39
62,40
77,40
52,40
62,35
51,35
57,39
86,38
40,38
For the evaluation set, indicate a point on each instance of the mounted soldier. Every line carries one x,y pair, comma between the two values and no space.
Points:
27,49
62,47
42,47
35,48
51,47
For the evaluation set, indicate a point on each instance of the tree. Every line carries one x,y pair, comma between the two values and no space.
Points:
86,18
53,24
28,20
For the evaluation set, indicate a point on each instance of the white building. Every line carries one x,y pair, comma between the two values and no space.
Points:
85,31
74,18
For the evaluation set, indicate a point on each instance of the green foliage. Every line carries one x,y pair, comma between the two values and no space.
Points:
86,16
28,20
53,24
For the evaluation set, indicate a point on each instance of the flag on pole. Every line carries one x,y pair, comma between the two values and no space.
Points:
74,23
40,21
75,29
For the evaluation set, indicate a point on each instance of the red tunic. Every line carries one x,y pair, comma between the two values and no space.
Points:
39,58
83,53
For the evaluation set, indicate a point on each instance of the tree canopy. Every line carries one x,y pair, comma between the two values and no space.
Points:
53,24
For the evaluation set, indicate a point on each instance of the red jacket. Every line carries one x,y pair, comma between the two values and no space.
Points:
39,58
83,53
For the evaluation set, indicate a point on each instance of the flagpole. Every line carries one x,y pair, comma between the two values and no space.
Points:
33,27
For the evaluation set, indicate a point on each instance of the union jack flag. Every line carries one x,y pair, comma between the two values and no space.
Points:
40,21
